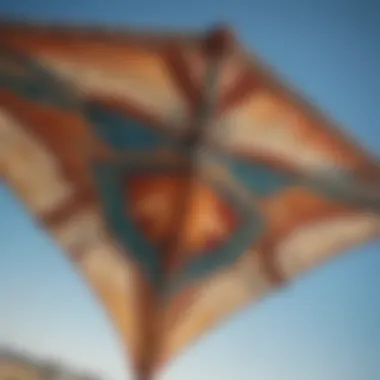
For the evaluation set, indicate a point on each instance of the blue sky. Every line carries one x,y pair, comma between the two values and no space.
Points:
327,325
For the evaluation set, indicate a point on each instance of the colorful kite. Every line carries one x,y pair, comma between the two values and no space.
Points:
182,179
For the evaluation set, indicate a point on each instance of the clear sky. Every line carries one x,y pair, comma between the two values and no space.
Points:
327,325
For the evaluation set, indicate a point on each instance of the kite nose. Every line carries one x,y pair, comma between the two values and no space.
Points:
219,40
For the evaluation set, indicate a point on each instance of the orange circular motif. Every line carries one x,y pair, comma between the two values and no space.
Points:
180,215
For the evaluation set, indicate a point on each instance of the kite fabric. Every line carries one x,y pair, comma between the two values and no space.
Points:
182,179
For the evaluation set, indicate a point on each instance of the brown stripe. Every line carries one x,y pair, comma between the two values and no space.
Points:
270,265
68,209
175,61
243,87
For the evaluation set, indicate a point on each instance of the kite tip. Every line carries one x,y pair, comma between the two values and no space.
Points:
219,40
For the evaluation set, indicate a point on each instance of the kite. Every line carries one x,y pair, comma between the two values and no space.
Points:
183,179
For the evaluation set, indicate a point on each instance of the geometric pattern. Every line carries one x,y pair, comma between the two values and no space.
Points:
217,229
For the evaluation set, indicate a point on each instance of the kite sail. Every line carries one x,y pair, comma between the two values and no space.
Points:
177,173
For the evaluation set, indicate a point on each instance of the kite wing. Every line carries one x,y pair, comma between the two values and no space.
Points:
97,138
314,190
